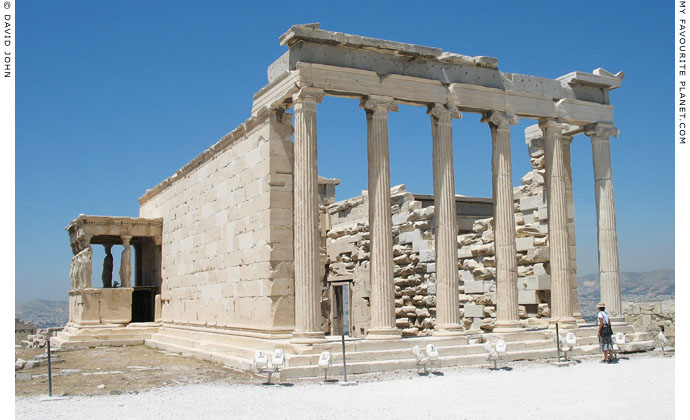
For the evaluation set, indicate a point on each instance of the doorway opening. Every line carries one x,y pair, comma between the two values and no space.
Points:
340,308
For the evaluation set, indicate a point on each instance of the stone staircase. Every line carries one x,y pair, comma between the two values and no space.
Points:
365,356
73,336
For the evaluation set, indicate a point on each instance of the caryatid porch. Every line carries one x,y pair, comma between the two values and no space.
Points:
384,74
113,303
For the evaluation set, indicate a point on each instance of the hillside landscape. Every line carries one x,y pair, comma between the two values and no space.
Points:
43,313
637,287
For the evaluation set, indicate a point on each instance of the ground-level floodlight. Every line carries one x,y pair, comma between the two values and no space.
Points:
663,342
567,344
619,341
501,347
325,363
421,358
260,361
570,342
431,352
262,366
563,346
495,351
620,344
278,360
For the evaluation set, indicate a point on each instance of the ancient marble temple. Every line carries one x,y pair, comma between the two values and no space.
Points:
244,247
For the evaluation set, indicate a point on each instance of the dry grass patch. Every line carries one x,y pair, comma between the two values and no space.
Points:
119,370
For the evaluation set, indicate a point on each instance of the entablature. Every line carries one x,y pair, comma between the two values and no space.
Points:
85,230
352,65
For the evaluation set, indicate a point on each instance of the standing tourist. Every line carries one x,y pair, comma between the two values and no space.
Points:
605,333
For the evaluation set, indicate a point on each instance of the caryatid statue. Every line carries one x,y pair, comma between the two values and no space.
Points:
73,273
126,263
80,268
85,257
107,275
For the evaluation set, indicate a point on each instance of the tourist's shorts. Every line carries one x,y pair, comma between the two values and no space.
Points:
606,344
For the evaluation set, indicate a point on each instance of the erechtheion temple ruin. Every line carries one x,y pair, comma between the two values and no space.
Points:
245,248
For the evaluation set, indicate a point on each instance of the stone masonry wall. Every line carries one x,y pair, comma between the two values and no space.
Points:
347,249
650,316
227,231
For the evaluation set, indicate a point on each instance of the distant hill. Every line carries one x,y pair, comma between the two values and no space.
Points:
44,313
638,287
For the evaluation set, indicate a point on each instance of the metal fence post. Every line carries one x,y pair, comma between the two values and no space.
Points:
50,376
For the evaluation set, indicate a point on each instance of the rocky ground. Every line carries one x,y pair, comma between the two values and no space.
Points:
117,370
186,388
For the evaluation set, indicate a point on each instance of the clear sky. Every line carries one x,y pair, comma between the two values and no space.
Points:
113,97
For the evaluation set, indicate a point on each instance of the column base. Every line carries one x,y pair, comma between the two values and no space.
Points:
579,319
448,330
383,334
508,326
566,323
308,337
618,321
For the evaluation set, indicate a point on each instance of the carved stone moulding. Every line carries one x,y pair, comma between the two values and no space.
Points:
108,230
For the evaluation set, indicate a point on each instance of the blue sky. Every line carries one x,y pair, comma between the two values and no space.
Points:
113,97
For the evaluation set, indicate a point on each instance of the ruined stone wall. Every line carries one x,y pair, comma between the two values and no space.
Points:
227,231
650,316
347,249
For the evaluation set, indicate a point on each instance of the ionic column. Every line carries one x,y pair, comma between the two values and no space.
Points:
447,306
126,262
557,208
572,244
306,219
507,315
382,322
606,218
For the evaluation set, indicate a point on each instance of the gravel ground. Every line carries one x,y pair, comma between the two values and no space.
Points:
639,387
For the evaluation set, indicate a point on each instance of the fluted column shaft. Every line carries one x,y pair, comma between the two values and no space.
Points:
306,220
606,217
446,236
557,208
382,311
507,315
572,243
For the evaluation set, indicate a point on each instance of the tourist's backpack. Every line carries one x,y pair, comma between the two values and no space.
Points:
606,330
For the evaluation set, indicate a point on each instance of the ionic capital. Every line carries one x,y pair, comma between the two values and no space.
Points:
551,125
378,105
307,97
601,131
444,113
500,119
